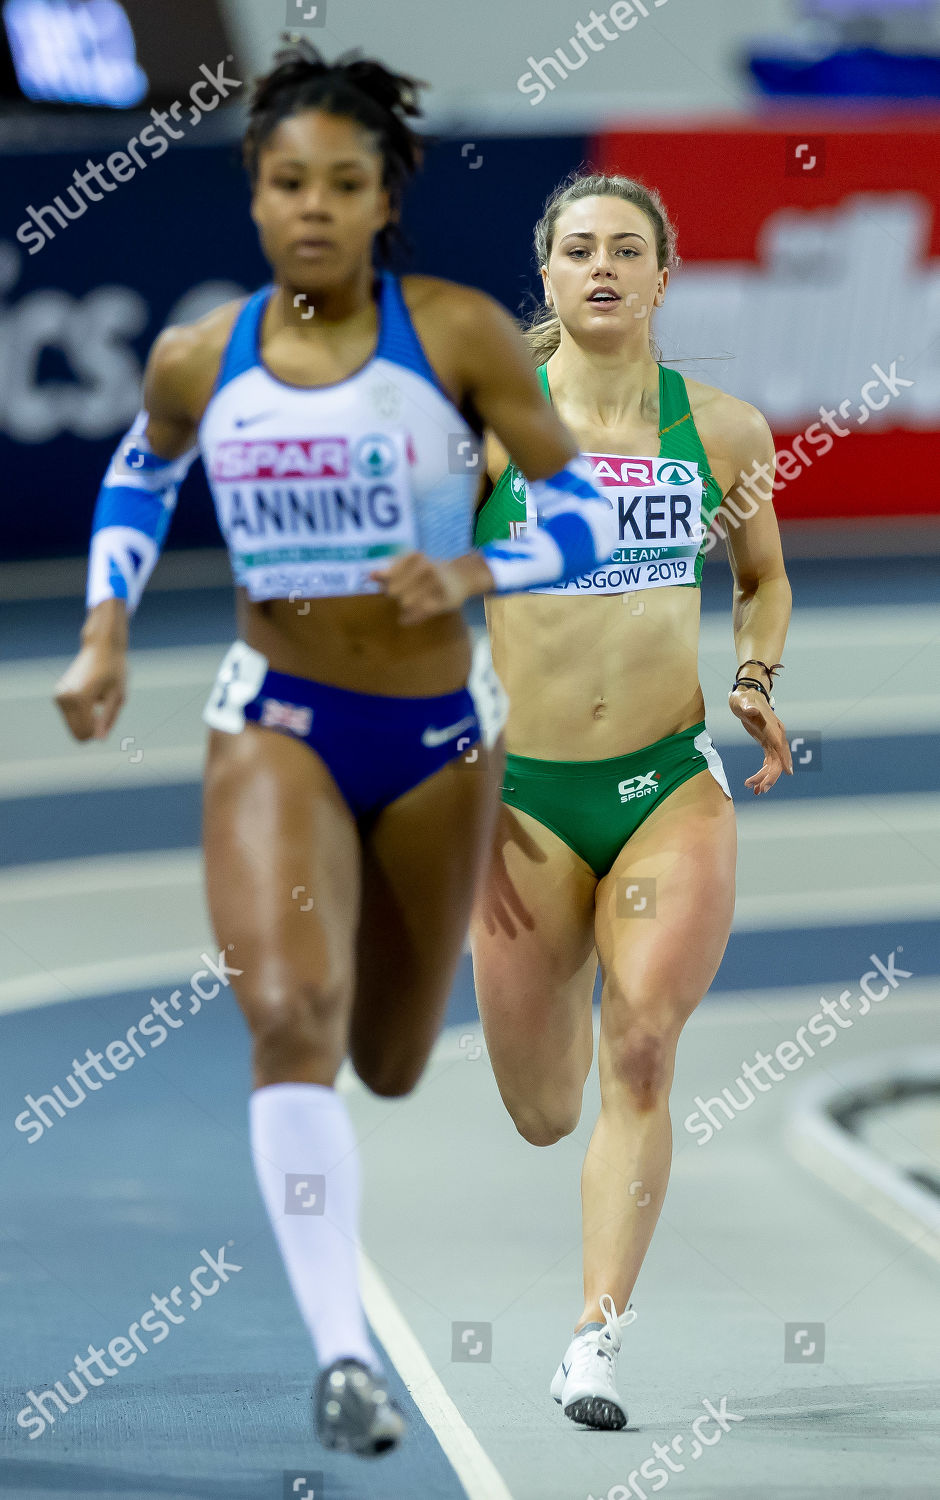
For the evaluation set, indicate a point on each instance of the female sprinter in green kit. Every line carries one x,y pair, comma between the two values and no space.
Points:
612,846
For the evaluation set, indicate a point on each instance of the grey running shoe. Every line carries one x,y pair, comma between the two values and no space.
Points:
353,1411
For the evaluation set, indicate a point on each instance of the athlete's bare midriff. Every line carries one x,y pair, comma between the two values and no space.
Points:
591,678
358,643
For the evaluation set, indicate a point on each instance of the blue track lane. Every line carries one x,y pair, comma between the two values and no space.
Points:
114,1203
126,821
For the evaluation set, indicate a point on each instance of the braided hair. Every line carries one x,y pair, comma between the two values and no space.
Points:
354,88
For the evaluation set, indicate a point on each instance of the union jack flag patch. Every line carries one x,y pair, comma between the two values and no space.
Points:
277,715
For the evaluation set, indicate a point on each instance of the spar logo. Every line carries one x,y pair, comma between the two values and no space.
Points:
639,786
283,458
641,473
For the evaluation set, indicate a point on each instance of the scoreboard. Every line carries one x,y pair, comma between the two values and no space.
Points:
114,54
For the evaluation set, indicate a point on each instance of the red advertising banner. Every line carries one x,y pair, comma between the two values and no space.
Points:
810,285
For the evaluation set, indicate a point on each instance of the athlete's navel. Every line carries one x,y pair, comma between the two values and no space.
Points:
599,710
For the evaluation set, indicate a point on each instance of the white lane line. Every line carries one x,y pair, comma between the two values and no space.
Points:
110,976
856,1171
60,879
837,908
106,977
472,1465
107,769
858,627
839,817
854,632
737,1007
851,718
469,1460
162,667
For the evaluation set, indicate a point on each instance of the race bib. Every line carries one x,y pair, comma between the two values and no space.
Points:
310,517
659,510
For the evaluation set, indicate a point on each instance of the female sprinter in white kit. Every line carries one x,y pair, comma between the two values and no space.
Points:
616,842
335,411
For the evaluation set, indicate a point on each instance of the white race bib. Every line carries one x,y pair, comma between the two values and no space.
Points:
310,517
659,509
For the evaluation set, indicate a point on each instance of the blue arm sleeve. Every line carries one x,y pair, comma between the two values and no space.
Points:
577,531
132,515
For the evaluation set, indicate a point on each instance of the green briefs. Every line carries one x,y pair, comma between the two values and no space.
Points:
595,805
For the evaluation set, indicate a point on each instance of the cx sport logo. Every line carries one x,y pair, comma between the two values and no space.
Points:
639,786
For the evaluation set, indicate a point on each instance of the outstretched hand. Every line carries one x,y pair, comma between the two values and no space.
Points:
762,724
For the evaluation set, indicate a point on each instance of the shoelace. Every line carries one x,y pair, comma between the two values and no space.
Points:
614,1325
605,1341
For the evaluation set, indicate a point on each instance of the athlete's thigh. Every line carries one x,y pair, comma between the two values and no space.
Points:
282,872
664,910
534,963
421,863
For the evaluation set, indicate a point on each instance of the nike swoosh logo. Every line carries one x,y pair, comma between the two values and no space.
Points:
564,1369
250,421
432,737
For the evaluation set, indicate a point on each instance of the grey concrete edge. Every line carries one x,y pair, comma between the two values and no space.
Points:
821,1145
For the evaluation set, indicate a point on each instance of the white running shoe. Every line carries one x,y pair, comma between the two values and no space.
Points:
584,1384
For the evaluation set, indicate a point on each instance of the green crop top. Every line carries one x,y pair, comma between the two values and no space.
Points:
504,510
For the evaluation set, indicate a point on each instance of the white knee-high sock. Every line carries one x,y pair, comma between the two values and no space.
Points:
301,1132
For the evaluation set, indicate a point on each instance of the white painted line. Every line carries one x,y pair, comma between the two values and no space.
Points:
849,718
782,911
848,907
853,628
851,1167
57,880
162,667
743,1007
104,769
839,817
472,1465
107,977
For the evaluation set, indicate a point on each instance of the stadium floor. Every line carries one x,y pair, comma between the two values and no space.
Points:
101,908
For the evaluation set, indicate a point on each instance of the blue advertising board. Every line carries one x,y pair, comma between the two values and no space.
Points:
80,307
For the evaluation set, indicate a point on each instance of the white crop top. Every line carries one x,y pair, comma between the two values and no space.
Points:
315,486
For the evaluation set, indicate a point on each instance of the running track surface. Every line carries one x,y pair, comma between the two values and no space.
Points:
100,909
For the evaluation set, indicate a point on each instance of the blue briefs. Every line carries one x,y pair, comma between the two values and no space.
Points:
375,747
